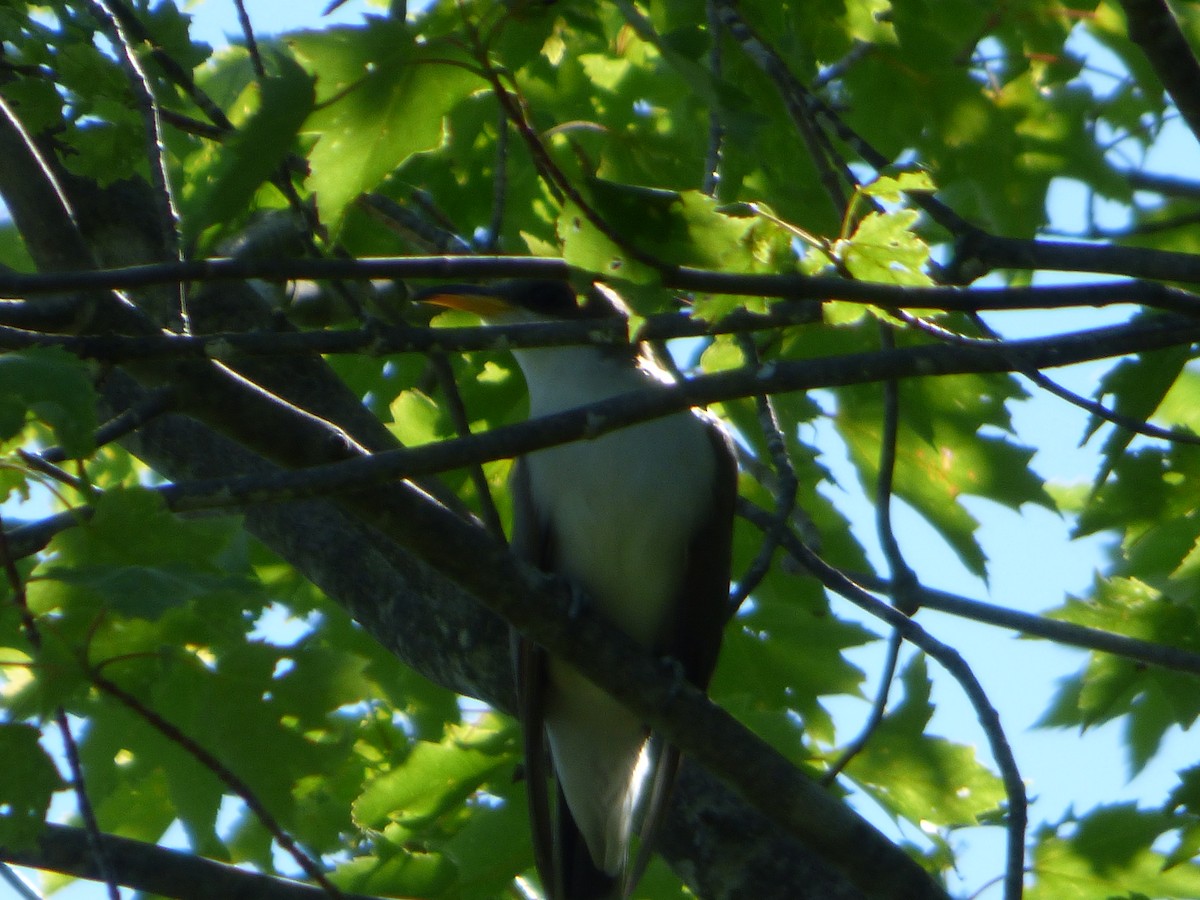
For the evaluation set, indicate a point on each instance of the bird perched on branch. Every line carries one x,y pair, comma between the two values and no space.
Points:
640,522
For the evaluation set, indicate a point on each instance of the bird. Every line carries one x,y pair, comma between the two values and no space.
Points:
639,521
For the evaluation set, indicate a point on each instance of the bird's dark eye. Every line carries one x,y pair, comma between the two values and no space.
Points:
553,299
548,298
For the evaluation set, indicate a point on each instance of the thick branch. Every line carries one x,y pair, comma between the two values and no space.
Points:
979,253
1152,27
601,652
157,870
425,621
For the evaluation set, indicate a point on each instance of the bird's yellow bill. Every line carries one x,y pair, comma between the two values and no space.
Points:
481,303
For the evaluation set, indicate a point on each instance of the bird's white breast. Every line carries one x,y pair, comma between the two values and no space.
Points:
622,507
622,510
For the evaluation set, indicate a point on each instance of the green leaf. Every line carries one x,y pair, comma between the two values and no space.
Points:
1139,386
434,778
28,778
400,873
137,559
13,252
681,228
1109,852
134,527
133,591
254,152
883,249
493,845
1154,700
382,98
54,387
940,456
893,187
921,777
417,419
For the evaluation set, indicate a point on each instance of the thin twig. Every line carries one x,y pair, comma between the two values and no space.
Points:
158,871
716,131
84,803
905,597
1154,28
499,185
143,93
829,168
180,76
251,42
556,180
17,883
428,237
878,707
903,577
595,419
153,405
39,463
462,426
377,338
793,286
784,490
235,784
1082,636
1096,408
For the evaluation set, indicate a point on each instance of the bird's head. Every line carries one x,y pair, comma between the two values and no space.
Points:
521,300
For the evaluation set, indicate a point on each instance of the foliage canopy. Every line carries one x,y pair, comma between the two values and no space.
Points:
225,605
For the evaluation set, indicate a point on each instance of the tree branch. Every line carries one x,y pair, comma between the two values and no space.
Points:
157,870
1152,27
1050,629
996,252
595,419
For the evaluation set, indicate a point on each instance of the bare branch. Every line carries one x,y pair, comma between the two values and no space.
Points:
1097,409
468,268
878,708
905,595
979,253
595,419
462,427
784,488
157,870
1152,27
1148,652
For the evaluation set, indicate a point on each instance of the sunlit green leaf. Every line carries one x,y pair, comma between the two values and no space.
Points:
381,98
1109,853
432,778
27,780
943,783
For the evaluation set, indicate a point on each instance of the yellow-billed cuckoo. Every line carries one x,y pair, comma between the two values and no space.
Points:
640,522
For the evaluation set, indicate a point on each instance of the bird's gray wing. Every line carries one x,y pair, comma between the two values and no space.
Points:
693,637
531,541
